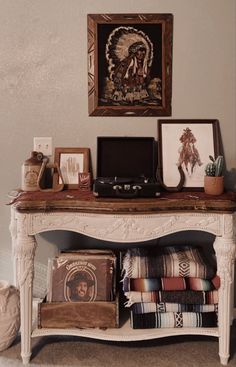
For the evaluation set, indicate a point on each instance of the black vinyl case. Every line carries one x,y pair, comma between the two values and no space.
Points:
126,167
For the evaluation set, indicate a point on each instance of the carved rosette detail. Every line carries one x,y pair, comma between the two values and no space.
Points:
28,274
24,247
225,253
228,225
25,260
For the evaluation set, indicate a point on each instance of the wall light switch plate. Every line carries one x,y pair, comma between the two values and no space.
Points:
43,145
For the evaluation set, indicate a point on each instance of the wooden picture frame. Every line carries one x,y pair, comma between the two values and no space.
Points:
130,64
187,143
71,161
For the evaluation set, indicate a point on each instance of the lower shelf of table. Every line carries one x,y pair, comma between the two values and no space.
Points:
125,332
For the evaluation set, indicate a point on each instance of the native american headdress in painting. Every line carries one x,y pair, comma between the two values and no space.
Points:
122,44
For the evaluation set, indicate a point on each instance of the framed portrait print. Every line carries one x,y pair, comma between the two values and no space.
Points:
71,161
130,64
187,143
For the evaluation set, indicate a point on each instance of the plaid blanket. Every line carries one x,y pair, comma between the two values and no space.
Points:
171,261
173,320
183,297
147,307
170,284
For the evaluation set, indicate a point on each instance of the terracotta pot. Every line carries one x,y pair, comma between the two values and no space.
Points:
214,185
9,314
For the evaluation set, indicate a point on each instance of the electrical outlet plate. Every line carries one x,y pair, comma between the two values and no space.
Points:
43,145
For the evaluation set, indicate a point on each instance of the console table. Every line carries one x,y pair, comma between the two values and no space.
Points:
123,220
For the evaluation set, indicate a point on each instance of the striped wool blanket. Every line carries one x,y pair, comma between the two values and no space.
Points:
170,284
148,307
170,261
183,297
173,320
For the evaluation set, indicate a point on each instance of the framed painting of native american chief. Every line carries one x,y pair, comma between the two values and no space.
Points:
130,64
187,144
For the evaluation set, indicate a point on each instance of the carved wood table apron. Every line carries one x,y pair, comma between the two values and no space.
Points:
123,221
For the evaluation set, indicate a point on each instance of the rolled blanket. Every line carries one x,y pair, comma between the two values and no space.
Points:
147,307
173,320
170,284
171,261
185,297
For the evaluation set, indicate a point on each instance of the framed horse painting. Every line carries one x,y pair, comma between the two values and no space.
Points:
187,144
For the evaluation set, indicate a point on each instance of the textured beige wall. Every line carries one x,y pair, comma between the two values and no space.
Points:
43,80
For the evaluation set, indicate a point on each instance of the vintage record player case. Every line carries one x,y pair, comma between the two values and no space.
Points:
126,167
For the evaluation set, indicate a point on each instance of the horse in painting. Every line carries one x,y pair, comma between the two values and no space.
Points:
188,153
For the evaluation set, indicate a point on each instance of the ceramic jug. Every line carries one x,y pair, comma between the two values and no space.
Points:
30,172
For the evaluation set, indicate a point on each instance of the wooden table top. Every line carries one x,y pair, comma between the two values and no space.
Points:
85,201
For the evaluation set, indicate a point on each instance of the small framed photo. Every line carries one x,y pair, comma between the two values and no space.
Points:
130,64
71,161
187,143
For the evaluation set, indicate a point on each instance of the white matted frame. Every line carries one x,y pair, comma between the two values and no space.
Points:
187,143
71,161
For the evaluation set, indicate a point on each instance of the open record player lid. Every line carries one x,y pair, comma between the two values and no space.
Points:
126,157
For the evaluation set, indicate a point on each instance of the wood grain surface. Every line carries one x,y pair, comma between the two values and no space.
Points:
84,201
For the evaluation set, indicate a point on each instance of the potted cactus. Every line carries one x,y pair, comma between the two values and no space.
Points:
214,180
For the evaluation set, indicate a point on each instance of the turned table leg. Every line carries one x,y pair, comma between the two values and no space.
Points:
24,250
225,252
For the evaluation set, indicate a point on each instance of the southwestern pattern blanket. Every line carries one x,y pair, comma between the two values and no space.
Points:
170,284
147,307
173,319
171,261
186,297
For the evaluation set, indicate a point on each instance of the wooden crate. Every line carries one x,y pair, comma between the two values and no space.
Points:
78,314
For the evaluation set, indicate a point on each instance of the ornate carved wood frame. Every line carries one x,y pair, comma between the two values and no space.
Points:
130,64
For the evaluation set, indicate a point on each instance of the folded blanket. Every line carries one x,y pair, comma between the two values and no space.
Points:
170,284
185,297
173,320
147,307
171,261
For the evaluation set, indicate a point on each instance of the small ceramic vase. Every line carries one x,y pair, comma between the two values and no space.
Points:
9,314
214,185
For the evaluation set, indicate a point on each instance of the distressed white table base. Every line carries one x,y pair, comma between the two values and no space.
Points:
123,228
